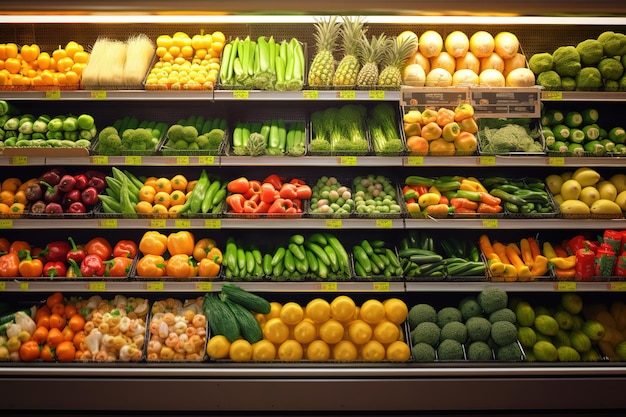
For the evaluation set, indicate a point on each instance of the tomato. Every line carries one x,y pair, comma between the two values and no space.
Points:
70,311
43,311
65,351
57,321
40,334
55,337
239,185
29,351
53,299
46,353
68,334
58,308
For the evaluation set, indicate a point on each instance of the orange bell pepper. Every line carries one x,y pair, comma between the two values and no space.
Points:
202,248
29,267
208,268
431,131
118,266
9,265
181,242
445,116
153,243
180,266
151,266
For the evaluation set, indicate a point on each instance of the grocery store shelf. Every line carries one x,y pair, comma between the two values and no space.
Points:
514,224
541,286
583,96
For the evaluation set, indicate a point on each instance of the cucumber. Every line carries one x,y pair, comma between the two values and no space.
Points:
222,321
247,299
248,325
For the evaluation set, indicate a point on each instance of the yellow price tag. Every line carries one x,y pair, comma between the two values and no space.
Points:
158,223
565,286
182,223
53,94
133,160
182,160
108,223
99,95
617,286
380,286
377,94
97,286
100,160
556,161
311,94
328,286
24,286
334,224
213,223
487,160
552,95
206,160
490,223
19,160
347,160
347,94
414,160
205,286
3,286
384,223
241,94
154,286
6,223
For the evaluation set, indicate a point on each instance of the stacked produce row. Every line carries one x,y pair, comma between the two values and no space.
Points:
235,325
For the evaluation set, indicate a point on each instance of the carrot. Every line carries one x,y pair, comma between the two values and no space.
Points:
534,247
463,210
527,255
437,209
458,202
523,271
488,208
500,250
489,199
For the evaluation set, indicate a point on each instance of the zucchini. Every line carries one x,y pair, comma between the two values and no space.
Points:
250,301
248,325
221,319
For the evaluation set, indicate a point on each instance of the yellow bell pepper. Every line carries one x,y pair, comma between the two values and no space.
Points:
202,248
181,242
151,266
180,266
153,243
208,268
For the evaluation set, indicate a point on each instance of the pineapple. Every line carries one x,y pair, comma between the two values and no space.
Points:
348,68
323,65
398,53
371,52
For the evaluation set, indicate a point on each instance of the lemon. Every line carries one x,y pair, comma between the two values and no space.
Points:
291,313
398,351
386,332
359,332
275,308
372,311
318,350
342,308
290,350
218,347
305,331
275,330
331,331
263,350
318,310
345,350
373,351
240,351
396,310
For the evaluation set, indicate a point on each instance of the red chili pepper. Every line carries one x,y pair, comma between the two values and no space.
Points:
56,251
92,266
125,248
575,243
54,269
77,253
275,180
99,246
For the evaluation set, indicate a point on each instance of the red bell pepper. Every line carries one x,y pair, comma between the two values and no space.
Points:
267,192
303,192
99,246
620,266
249,206
275,180
125,248
288,191
238,186
92,266
235,202
282,206
76,253
56,251
54,269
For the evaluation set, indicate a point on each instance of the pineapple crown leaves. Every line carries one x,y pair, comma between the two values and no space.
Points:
351,31
372,49
398,51
326,33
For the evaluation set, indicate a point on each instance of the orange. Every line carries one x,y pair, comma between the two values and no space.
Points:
372,311
290,350
57,321
398,351
65,351
359,332
179,182
58,308
305,331
53,299
345,350
275,330
40,334
275,308
318,350
70,311
331,331
29,351
373,351
291,313
318,310
218,347
396,310
68,333
163,198
55,337
46,353
263,350
342,308
240,351
386,332
76,322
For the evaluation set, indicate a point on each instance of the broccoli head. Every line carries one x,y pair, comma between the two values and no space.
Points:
426,332
479,351
492,299
589,78
450,350
503,333
423,352
420,313
478,329
510,352
550,80
540,62
109,142
590,51
610,69
454,330
566,61
447,315
469,307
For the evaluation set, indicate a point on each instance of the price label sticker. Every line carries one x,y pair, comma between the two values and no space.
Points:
328,286
19,160
133,160
182,223
487,160
556,161
310,94
380,286
206,160
53,94
334,224
617,286
6,224
414,160
565,286
97,286
384,223
154,286
347,94
490,223
99,95
347,160
182,160
377,94
213,224
204,286
241,94
3,286
100,160
108,223
23,286
552,95
158,223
